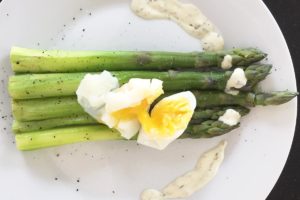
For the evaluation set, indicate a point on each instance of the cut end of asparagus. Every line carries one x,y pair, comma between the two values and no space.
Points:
274,98
18,55
247,56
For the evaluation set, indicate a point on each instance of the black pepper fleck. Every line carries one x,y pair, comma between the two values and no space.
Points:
114,192
90,14
74,18
56,178
57,155
77,190
83,29
78,180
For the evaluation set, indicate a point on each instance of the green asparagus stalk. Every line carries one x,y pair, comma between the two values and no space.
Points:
65,84
42,61
61,136
208,129
199,116
203,114
47,108
212,98
22,127
74,134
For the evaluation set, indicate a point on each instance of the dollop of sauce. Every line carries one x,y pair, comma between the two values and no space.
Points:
237,80
152,194
187,184
231,117
227,62
188,16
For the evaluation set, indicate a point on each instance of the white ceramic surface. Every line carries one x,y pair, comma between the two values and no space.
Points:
256,153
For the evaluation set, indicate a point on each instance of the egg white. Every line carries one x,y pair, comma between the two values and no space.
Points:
92,92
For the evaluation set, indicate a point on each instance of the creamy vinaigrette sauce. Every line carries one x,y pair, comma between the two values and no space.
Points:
188,16
185,185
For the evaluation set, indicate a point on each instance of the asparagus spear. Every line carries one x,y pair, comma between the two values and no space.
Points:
40,61
61,136
47,108
202,114
22,127
199,116
208,129
74,134
65,84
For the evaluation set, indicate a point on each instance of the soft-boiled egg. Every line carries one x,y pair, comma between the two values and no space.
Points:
168,120
126,108
124,104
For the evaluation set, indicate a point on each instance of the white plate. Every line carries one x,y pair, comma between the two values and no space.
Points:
256,153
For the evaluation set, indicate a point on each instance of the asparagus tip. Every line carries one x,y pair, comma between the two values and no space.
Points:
275,98
247,56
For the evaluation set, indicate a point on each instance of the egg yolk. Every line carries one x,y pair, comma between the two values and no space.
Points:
132,112
167,117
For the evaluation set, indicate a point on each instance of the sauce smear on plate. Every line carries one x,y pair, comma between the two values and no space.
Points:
188,16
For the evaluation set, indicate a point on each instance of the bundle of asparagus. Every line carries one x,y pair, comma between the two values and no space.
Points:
47,114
